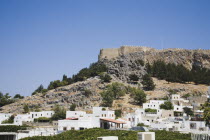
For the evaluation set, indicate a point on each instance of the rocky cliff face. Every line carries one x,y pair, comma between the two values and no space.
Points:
63,96
121,62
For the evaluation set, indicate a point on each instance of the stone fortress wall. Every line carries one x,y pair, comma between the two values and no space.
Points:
123,50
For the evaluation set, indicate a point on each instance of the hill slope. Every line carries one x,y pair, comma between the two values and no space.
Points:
120,65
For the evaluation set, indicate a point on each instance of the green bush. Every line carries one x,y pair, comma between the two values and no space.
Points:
10,120
118,113
73,107
147,82
92,134
11,128
42,119
112,92
133,77
105,78
60,113
167,106
151,110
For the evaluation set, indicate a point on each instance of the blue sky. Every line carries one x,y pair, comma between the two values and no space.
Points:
40,40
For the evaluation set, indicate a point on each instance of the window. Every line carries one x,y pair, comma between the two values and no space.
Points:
105,115
129,119
169,115
81,128
72,128
64,128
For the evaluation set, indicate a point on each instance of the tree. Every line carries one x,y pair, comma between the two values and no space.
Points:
18,96
65,78
133,77
112,92
188,111
140,62
149,68
107,99
73,107
60,113
38,90
118,113
105,78
10,120
147,82
206,115
26,108
5,99
139,96
87,92
167,105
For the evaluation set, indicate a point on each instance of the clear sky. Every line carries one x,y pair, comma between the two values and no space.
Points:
40,40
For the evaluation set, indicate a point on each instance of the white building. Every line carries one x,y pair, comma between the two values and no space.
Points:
20,118
194,127
75,114
177,97
153,104
4,116
47,114
79,120
179,108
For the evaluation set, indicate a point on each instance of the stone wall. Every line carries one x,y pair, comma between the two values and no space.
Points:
123,50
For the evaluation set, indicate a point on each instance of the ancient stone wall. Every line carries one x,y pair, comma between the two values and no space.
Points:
123,50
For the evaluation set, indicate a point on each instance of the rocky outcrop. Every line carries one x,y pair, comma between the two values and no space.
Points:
63,96
122,62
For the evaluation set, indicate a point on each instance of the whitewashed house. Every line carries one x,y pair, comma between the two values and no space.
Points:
4,116
153,104
20,118
47,114
79,120
194,127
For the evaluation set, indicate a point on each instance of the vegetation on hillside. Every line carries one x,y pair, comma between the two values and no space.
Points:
6,99
94,69
92,134
147,82
167,105
178,73
73,107
60,113
112,92
206,116
116,90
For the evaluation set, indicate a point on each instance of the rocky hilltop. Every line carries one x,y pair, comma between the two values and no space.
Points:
123,61
63,96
